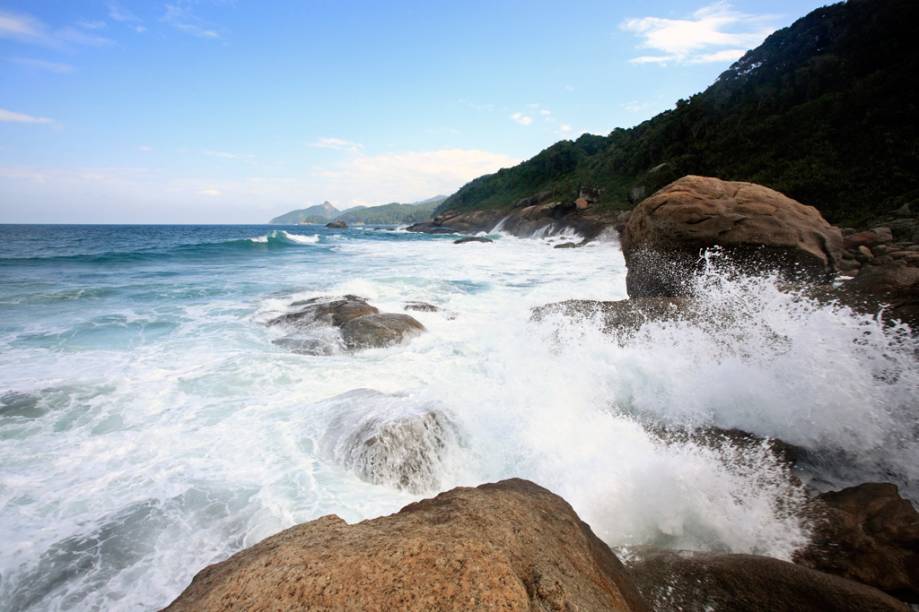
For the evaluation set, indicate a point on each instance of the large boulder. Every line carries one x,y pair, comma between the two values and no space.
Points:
754,225
870,534
335,311
704,582
510,546
379,330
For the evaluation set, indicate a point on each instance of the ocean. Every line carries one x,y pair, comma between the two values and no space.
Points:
152,422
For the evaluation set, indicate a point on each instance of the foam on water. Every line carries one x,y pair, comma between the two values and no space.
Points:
177,433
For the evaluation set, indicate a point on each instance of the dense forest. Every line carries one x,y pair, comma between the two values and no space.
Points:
823,110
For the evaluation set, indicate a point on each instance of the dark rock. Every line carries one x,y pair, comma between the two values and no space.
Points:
870,534
506,546
567,245
327,311
472,239
891,279
868,238
702,582
421,307
379,330
754,225
337,225
717,438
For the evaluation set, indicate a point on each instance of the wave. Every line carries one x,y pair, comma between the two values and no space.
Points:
272,240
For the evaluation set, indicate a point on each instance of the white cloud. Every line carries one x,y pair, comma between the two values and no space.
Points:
38,64
27,29
7,116
180,17
338,144
145,195
406,176
522,119
91,24
714,33
118,13
565,129
545,112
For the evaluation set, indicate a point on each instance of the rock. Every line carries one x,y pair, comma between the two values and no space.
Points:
326,310
402,451
755,226
870,534
865,252
892,281
904,211
337,225
623,317
718,438
421,307
379,330
700,582
472,239
868,238
566,245
510,546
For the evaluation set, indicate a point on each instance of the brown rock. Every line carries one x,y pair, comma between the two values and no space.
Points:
868,238
379,330
506,546
755,225
700,582
870,534
325,310
890,281
421,307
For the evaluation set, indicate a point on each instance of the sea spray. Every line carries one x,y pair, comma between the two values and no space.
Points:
186,445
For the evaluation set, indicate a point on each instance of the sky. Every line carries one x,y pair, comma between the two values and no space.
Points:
235,111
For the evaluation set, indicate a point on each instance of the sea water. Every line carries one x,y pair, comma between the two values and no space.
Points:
151,423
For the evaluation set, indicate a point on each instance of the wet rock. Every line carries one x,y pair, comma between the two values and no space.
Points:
325,310
754,225
472,239
404,451
567,245
337,225
622,317
379,330
421,307
511,545
717,438
891,279
868,238
870,534
703,582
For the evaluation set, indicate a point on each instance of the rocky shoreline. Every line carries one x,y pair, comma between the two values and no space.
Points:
515,545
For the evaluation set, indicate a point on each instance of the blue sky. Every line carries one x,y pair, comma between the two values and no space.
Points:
234,111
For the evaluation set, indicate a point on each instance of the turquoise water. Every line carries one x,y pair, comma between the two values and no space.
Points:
151,422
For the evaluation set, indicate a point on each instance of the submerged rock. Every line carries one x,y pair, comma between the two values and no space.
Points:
421,307
406,452
870,534
703,582
472,239
379,330
754,225
511,545
622,317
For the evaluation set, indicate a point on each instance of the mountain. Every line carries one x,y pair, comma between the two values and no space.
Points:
393,213
321,213
824,111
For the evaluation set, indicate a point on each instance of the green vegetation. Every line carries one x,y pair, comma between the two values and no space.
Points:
385,214
824,111
394,213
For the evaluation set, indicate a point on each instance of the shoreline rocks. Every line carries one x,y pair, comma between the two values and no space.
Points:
754,225
700,582
867,533
472,239
510,545
337,225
